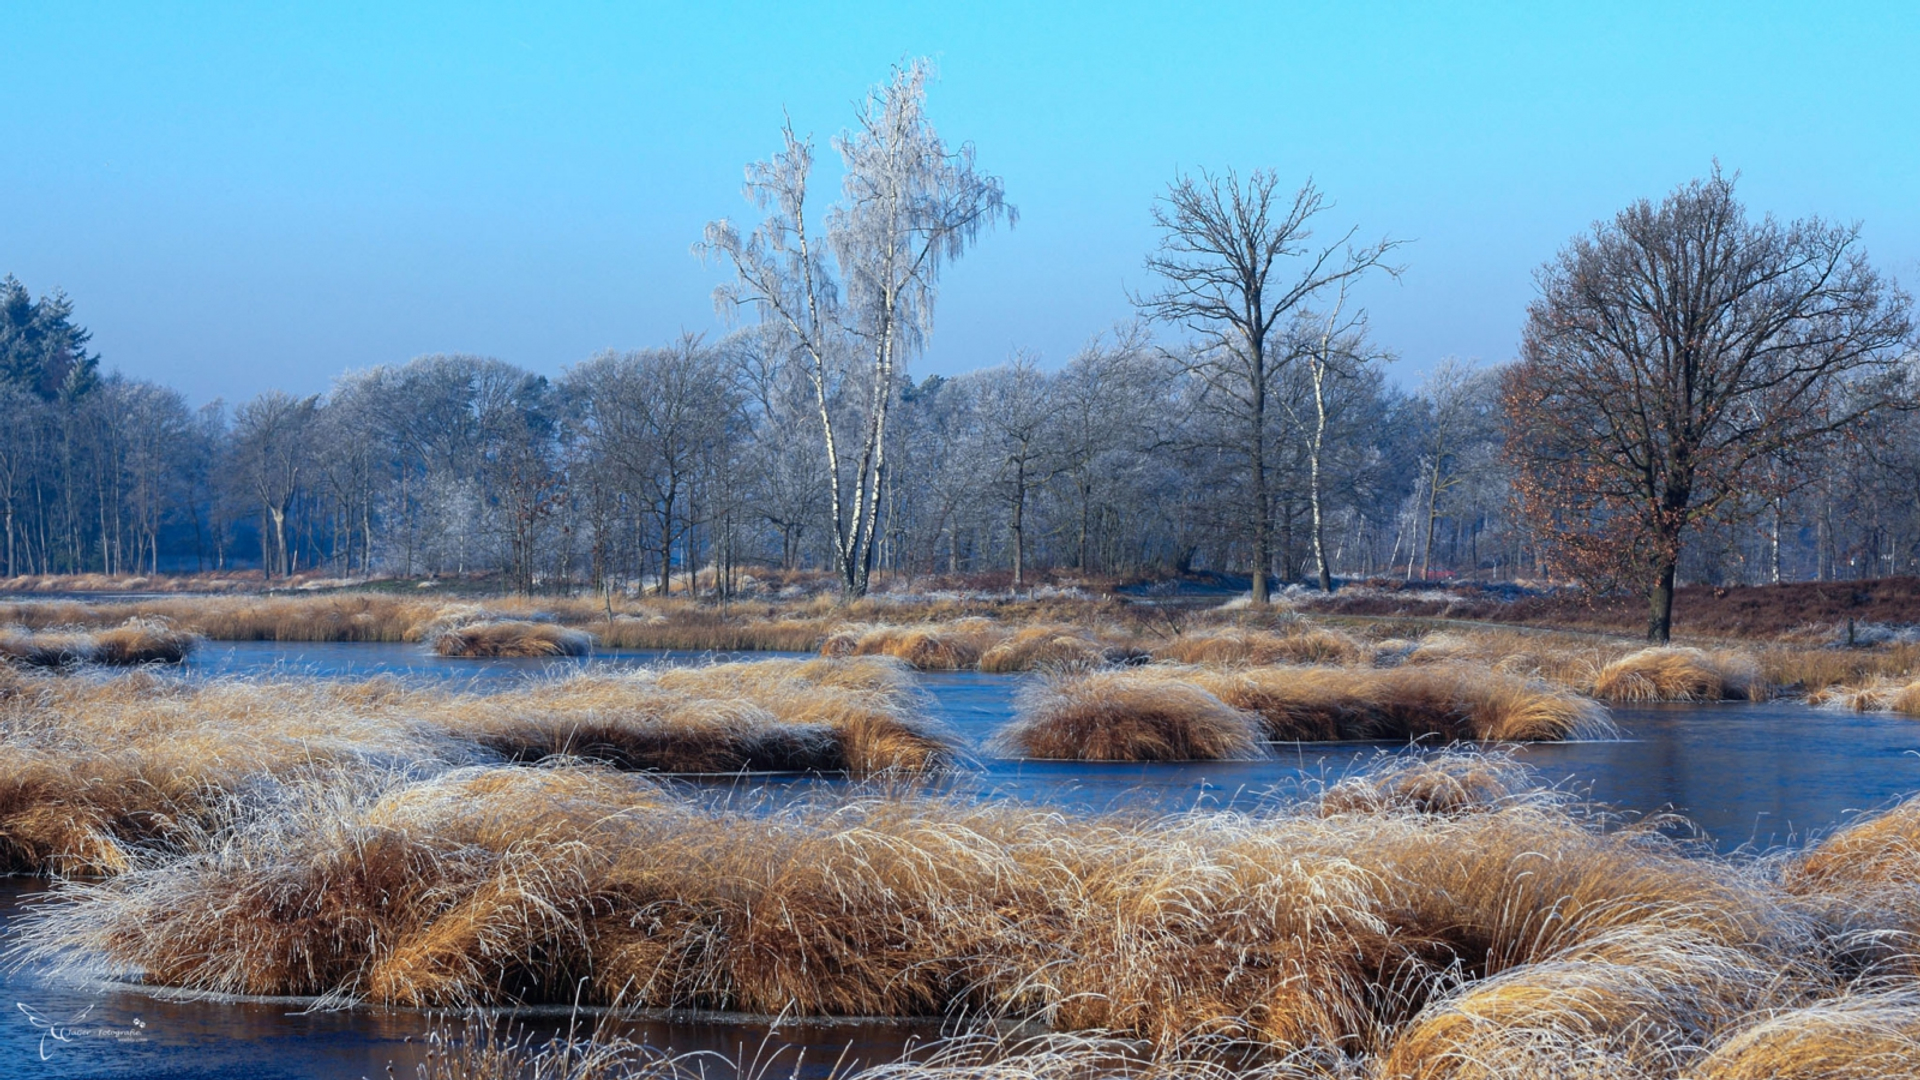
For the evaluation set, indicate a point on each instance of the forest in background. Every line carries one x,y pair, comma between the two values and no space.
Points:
1699,397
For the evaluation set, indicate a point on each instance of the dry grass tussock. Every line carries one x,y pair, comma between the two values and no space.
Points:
1859,1036
1682,674
512,638
860,716
1298,643
1899,695
1818,668
1126,716
1166,712
991,645
945,646
90,768
1502,930
1862,880
136,641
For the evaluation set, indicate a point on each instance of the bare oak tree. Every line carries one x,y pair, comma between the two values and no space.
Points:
1671,355
1237,262
910,205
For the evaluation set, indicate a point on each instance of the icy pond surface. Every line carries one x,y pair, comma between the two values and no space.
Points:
1747,775
1761,775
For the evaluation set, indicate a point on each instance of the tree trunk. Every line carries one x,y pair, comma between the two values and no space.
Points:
1660,604
1262,502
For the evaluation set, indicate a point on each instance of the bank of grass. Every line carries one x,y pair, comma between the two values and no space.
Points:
512,638
1680,674
1188,713
92,768
1126,716
1435,918
136,641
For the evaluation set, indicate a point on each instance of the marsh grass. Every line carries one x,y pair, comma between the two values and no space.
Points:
1126,716
136,641
512,638
1682,674
1168,712
860,716
1449,701
1050,646
1299,643
1870,1035
1501,930
91,768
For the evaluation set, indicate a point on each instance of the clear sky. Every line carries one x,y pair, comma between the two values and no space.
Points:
241,197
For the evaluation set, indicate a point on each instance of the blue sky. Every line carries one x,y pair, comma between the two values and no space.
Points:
242,197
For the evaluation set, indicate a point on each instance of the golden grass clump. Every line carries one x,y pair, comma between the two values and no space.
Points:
89,767
512,638
136,641
1306,927
1303,644
1861,881
1860,1036
1882,695
1681,674
1820,667
1032,648
1314,703
948,646
1632,1002
860,716
1452,702
1126,716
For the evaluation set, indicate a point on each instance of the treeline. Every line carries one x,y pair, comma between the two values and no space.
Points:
693,465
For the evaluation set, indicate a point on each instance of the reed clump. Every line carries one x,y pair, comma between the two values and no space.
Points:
1681,674
1159,710
1882,695
1376,939
512,638
1861,880
90,767
1126,716
136,641
1048,646
931,646
1870,1035
860,716
1449,701
1301,643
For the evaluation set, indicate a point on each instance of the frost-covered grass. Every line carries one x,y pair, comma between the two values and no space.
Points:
1435,917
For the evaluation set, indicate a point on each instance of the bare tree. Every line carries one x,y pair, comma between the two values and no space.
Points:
1333,347
1460,401
1670,354
1017,412
1237,261
910,206
272,450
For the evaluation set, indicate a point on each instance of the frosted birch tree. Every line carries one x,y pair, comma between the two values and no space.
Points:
909,206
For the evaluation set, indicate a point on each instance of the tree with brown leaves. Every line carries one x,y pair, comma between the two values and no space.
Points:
1672,354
